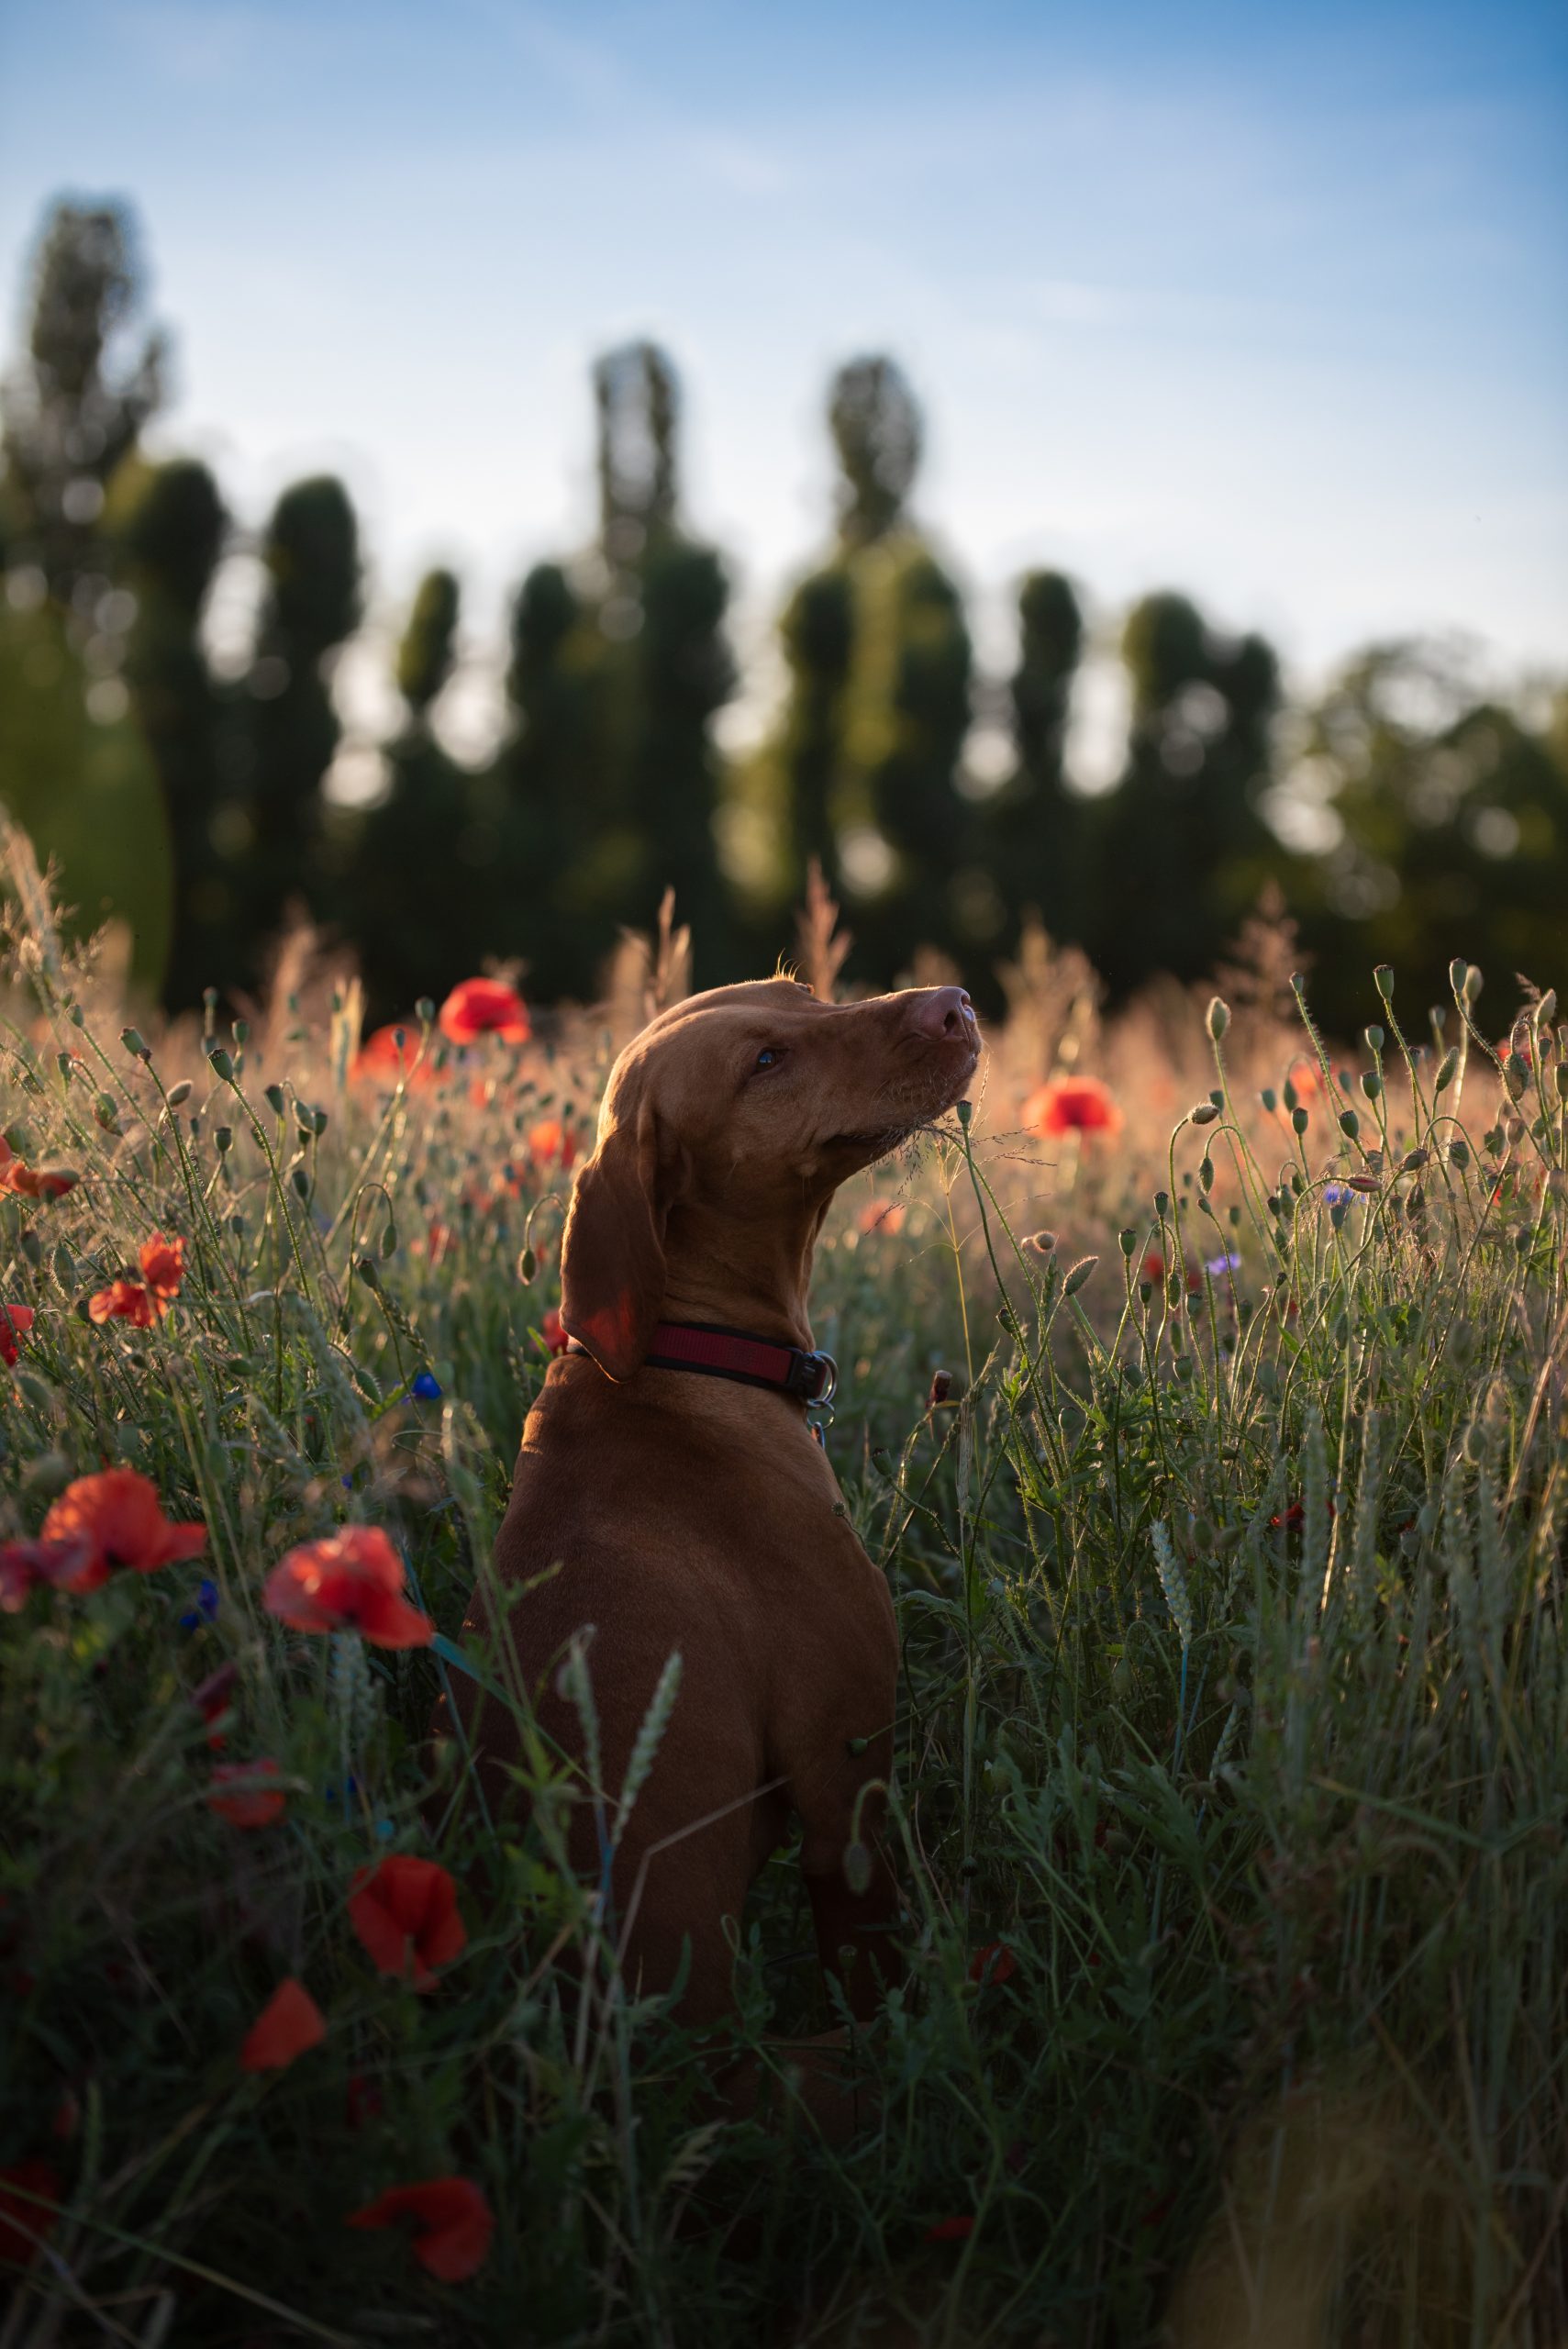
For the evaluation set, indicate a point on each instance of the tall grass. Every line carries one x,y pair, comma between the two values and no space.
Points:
1233,1741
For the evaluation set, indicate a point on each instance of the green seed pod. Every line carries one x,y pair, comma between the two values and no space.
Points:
31,1246
135,1044
1078,1275
1412,1160
425,1011
1289,1095
1459,1153
1206,1173
1218,1018
1126,1240
1458,972
527,1266
1384,976
1268,1098
105,1109
300,1178
221,1065
1298,1122
1375,1038
47,1475
224,1138
1515,1076
1473,983
1560,1078
277,1098
1203,1114
389,1239
1372,1084
1350,1124
179,1093
78,1017
965,1111
63,1063
366,1268
1042,1242
1174,1289
1162,1204
241,1031
1447,1069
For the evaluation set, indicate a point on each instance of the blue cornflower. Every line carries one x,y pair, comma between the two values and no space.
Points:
427,1387
1215,1266
1337,1194
205,1609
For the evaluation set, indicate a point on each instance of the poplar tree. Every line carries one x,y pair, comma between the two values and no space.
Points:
1034,827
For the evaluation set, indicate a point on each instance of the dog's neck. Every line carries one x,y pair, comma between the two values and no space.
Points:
751,1276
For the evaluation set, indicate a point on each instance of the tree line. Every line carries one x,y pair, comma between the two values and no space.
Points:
191,799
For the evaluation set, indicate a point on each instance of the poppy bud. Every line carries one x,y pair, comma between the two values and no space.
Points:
301,1181
1350,1124
1268,1098
178,1093
424,1010
1206,1173
1547,1007
1383,975
1298,1122
1078,1275
78,1017
366,1267
527,1266
1446,1069
1372,1084
857,1869
1203,1114
965,1111
223,1136
275,1099
1473,983
1514,1076
1374,1040
241,1031
1218,1018
1042,1242
1127,1240
1458,972
1459,1153
389,1239
1162,1204
132,1039
1412,1160
221,1065
1560,1078
106,1110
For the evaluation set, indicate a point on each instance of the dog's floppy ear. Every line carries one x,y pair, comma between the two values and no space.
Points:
612,1253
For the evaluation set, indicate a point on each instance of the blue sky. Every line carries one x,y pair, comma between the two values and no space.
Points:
1270,303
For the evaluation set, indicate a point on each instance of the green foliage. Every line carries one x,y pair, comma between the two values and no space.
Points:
75,405
1035,824
1231,1736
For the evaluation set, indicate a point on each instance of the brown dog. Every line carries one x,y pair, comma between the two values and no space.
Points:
693,1514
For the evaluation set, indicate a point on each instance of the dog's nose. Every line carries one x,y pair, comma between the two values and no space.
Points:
946,1013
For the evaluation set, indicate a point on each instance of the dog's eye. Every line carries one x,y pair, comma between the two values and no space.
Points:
770,1056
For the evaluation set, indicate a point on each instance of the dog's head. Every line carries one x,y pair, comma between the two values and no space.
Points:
751,1103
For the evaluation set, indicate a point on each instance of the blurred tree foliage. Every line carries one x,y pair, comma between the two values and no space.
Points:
1405,813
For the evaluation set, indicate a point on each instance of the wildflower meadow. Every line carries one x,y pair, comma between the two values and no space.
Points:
1201,1393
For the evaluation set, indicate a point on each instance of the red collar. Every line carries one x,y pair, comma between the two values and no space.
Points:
730,1353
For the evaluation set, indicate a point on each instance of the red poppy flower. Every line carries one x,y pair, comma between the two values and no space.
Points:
235,1796
882,1215
117,1511
405,1910
70,1564
290,2023
484,1007
24,2222
352,1582
455,2224
163,1266
950,2230
550,1140
556,1336
994,1963
33,1183
1066,1105
211,1699
16,1321
383,1060
126,1301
